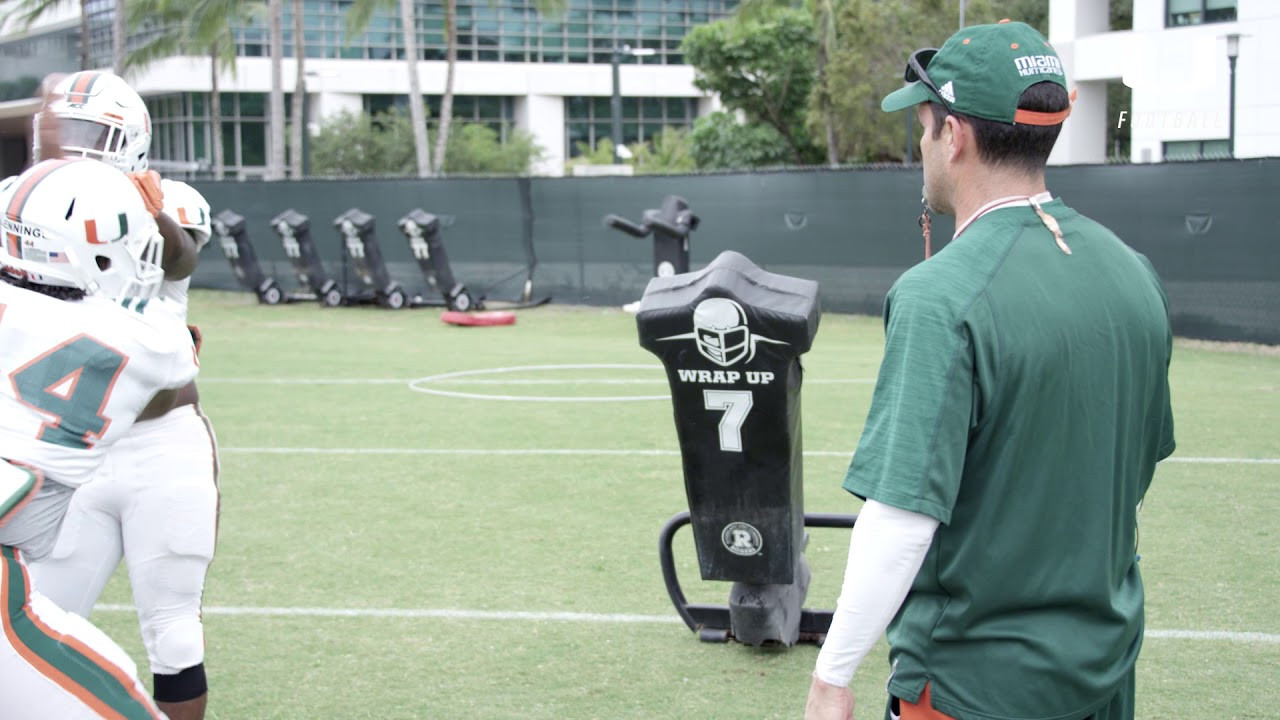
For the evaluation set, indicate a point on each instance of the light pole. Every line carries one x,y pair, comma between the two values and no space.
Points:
615,108
1233,52
306,126
306,120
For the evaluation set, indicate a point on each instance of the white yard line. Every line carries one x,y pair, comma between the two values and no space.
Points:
578,617
657,380
419,613
612,452
1244,637
434,451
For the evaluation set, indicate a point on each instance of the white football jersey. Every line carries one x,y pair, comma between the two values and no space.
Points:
188,208
79,373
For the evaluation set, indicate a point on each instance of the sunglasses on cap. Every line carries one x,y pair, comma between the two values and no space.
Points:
915,72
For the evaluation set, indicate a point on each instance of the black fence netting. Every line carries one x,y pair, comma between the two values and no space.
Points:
854,231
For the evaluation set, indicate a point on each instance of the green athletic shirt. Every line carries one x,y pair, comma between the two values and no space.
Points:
1023,401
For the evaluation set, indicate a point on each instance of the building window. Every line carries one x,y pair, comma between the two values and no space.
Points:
180,132
492,110
587,120
488,30
99,14
1200,12
1181,150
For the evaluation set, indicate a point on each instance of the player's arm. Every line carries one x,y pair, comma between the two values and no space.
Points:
185,208
180,252
179,362
161,403
180,248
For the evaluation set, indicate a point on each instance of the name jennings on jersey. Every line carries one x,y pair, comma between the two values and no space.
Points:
724,377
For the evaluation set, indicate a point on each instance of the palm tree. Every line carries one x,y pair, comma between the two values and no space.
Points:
299,93
27,12
180,27
119,39
275,21
417,113
451,63
358,17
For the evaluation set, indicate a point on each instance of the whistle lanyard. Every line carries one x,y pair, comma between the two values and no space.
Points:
1032,201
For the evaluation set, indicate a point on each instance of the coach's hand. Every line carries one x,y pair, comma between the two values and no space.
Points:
828,702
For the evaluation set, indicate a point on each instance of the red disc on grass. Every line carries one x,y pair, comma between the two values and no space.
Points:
479,319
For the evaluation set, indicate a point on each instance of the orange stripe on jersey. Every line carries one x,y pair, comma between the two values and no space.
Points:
14,250
29,180
44,667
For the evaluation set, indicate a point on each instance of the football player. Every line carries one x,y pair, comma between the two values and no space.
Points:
86,346
155,499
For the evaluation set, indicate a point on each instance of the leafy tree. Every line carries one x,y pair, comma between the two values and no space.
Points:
670,152
358,144
476,149
762,67
876,36
602,154
720,142
823,13
1032,12
24,87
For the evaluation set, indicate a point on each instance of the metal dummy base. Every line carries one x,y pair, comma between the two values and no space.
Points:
711,622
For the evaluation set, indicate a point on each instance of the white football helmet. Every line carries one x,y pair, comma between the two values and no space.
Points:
80,224
100,117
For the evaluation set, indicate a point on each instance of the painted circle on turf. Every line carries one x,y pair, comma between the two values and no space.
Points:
423,384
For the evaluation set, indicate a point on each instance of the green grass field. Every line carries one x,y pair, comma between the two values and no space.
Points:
389,553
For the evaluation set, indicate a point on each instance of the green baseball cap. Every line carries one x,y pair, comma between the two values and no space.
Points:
982,71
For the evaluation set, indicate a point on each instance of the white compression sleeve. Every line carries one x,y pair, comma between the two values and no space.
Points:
886,548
